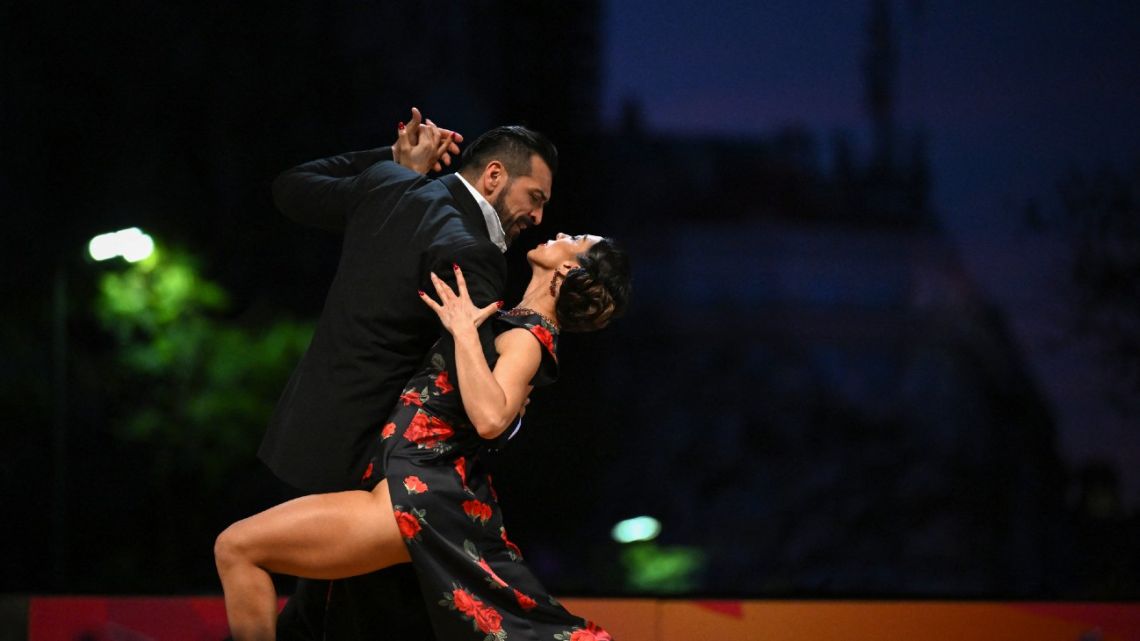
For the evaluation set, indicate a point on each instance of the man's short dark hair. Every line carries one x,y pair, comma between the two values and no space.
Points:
512,145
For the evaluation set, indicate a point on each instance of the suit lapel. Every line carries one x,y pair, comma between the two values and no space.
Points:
465,202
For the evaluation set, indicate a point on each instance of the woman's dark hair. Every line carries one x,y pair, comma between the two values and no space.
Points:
512,145
596,292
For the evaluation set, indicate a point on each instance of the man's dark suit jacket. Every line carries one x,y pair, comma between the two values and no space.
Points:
374,330
372,335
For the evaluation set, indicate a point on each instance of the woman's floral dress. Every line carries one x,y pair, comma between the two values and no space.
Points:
473,578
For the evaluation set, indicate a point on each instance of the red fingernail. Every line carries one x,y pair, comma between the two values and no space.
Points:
455,266
400,126
499,303
421,292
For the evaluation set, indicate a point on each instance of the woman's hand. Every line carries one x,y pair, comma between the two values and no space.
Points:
491,396
456,311
421,145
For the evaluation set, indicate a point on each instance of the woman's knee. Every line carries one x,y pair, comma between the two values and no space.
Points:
229,547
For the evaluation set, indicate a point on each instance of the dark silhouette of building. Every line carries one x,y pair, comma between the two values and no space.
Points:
810,389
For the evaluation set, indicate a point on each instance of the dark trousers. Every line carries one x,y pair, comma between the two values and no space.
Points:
383,606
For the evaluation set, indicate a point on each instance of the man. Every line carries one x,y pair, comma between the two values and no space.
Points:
398,227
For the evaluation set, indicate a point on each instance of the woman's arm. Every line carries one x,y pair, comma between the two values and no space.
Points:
490,398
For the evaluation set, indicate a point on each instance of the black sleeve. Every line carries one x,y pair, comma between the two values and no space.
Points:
321,193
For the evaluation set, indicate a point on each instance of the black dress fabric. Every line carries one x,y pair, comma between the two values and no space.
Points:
472,577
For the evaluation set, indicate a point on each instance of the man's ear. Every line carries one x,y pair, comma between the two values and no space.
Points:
493,178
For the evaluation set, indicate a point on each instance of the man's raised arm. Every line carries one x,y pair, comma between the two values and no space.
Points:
321,192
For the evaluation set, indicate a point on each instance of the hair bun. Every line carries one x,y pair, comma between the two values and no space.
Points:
597,291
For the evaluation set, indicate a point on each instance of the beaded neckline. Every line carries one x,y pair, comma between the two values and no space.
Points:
526,311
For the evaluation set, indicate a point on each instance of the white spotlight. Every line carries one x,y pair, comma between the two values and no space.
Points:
131,243
639,528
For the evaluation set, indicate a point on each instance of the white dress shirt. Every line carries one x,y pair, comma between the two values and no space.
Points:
490,216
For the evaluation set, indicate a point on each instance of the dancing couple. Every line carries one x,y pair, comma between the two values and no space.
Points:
414,371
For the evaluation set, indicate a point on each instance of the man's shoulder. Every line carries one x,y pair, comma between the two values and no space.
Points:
434,197
453,221
457,239
457,235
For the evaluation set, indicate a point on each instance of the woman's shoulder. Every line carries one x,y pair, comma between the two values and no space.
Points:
541,327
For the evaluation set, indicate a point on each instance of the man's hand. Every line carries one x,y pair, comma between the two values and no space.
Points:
421,145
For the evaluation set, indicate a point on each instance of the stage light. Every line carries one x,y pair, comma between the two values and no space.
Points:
131,243
639,528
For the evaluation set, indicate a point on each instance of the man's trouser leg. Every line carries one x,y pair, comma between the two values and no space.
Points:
386,605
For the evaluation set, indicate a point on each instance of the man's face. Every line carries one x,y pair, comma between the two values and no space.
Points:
522,200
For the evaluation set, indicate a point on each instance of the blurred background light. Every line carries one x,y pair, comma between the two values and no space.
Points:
131,243
639,528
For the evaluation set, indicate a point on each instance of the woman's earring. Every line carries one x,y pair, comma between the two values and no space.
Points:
554,283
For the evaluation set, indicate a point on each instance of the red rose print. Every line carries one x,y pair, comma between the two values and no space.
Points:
461,470
477,510
487,568
367,473
408,523
442,384
464,602
525,602
388,430
595,632
414,485
411,397
516,553
427,431
417,429
488,620
545,338
592,632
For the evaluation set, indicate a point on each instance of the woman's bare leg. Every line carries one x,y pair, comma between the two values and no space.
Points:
322,536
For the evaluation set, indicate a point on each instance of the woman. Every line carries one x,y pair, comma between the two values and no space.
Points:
429,499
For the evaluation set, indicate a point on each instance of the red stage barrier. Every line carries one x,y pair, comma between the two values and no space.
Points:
203,619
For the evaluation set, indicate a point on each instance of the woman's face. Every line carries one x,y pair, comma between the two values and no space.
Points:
562,250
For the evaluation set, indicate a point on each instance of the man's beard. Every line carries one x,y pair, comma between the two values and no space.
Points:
500,207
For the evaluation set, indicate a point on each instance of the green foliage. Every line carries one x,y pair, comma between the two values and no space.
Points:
195,385
652,568
153,295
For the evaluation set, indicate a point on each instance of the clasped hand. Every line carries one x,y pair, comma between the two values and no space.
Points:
421,145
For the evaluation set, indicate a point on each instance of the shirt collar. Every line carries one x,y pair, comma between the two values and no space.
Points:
490,216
